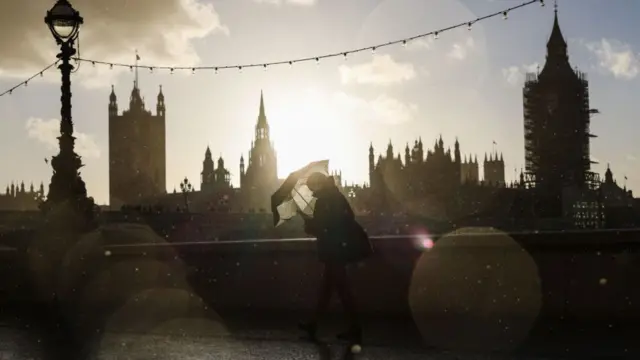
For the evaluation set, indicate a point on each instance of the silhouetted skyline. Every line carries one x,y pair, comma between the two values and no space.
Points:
422,84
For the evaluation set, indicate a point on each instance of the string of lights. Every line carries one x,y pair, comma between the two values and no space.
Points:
26,82
345,54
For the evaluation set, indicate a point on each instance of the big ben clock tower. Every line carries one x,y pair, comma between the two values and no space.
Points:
556,127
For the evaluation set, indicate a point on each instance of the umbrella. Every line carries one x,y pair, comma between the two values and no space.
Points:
293,195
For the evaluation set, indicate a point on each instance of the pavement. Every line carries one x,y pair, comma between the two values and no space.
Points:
14,345
245,335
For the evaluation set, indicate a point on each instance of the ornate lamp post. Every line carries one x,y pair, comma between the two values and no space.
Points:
66,184
186,188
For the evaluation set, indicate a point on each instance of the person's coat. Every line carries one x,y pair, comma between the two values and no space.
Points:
340,239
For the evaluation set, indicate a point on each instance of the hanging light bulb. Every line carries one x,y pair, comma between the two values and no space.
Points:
404,43
541,2
436,35
193,71
10,91
373,50
240,69
505,15
110,66
93,63
264,67
130,68
151,69
26,83
344,56
290,64
469,25
317,61
215,71
171,71
41,74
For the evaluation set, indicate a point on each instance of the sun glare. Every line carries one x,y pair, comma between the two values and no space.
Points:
307,129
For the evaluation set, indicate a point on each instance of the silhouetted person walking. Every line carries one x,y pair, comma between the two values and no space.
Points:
340,241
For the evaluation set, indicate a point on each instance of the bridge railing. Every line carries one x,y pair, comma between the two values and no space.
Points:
577,276
585,276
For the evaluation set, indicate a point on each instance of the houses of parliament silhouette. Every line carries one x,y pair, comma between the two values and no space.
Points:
556,183
16,197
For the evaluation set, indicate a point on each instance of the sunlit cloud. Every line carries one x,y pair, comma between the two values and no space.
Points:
382,109
631,157
382,70
162,31
461,50
514,75
47,131
292,2
616,57
420,44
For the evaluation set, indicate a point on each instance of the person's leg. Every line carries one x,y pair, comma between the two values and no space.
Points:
324,293
324,297
343,287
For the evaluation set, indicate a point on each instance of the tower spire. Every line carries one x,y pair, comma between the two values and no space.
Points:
556,44
262,117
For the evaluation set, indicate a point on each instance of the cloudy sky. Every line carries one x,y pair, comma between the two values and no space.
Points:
466,83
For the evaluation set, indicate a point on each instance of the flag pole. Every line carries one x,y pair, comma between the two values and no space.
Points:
136,79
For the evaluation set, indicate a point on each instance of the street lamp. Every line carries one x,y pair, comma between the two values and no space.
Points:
186,188
64,22
66,184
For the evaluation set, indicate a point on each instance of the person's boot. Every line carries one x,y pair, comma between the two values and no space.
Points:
310,329
353,335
